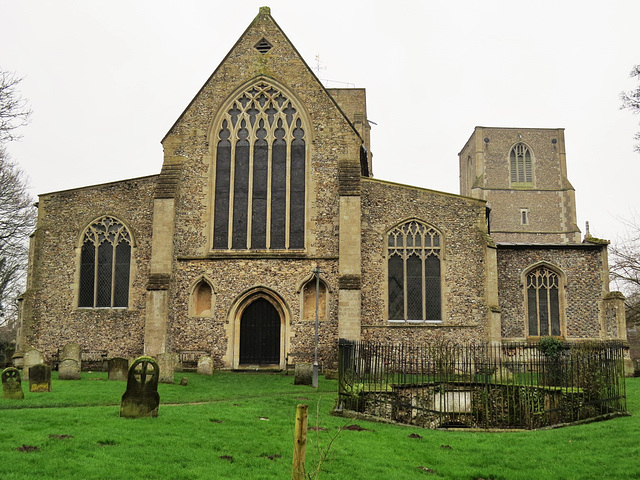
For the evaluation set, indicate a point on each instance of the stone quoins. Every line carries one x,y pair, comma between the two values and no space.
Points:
169,179
348,178
349,282
159,281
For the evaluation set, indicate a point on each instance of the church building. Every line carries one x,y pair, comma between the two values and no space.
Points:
265,202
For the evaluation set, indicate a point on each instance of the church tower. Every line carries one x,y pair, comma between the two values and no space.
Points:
522,174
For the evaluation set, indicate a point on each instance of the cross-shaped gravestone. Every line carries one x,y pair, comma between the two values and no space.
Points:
141,398
11,384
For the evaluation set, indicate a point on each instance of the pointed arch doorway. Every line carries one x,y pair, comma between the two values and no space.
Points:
260,334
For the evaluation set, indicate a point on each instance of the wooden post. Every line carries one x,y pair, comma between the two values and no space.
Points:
300,443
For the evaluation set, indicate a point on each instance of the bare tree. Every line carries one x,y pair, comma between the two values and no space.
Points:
631,100
14,110
625,268
17,215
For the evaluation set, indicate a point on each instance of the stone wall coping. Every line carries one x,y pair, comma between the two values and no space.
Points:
422,189
548,246
255,256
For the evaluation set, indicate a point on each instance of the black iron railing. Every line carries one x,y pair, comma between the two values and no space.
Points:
514,385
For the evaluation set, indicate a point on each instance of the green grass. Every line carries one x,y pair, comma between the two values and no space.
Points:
220,416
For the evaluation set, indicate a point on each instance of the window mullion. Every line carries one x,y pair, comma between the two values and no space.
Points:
252,145
287,219
232,176
113,273
95,274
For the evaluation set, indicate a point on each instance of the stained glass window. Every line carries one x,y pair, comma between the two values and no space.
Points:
413,272
543,303
105,264
259,199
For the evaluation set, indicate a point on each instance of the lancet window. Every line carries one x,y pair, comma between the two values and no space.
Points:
521,166
414,253
260,173
105,264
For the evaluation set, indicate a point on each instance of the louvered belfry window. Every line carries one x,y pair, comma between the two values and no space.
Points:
260,174
413,271
520,160
543,302
105,263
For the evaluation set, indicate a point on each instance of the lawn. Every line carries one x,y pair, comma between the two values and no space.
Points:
240,426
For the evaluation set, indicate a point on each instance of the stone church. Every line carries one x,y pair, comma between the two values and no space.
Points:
266,194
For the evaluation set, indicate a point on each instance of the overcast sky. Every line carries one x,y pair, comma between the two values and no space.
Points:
107,79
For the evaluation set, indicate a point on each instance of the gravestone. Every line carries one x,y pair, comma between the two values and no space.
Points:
167,363
141,398
117,369
40,378
31,357
70,362
304,374
205,365
11,384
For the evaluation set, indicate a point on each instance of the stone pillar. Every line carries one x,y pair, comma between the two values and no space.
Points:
491,292
161,265
349,297
614,324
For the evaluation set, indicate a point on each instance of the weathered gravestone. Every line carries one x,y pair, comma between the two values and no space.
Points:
141,398
40,378
205,365
117,369
304,374
70,362
167,363
31,357
11,384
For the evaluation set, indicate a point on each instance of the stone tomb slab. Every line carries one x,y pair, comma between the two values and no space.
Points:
70,362
40,378
31,357
117,369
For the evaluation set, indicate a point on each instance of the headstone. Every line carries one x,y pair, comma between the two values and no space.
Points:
167,363
304,374
205,365
31,357
141,398
184,381
117,369
11,384
40,378
70,362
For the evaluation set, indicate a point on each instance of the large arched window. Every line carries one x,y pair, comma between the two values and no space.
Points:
414,251
543,302
520,164
259,198
105,263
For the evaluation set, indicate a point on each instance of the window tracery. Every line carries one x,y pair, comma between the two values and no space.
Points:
260,173
543,302
414,253
105,263
520,163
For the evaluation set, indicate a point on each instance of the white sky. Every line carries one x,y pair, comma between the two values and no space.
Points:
107,79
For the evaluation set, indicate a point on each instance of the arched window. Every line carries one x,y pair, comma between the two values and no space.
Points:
105,263
202,299
543,302
414,251
520,161
260,173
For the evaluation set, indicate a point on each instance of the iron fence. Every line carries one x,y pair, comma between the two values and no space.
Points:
514,385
